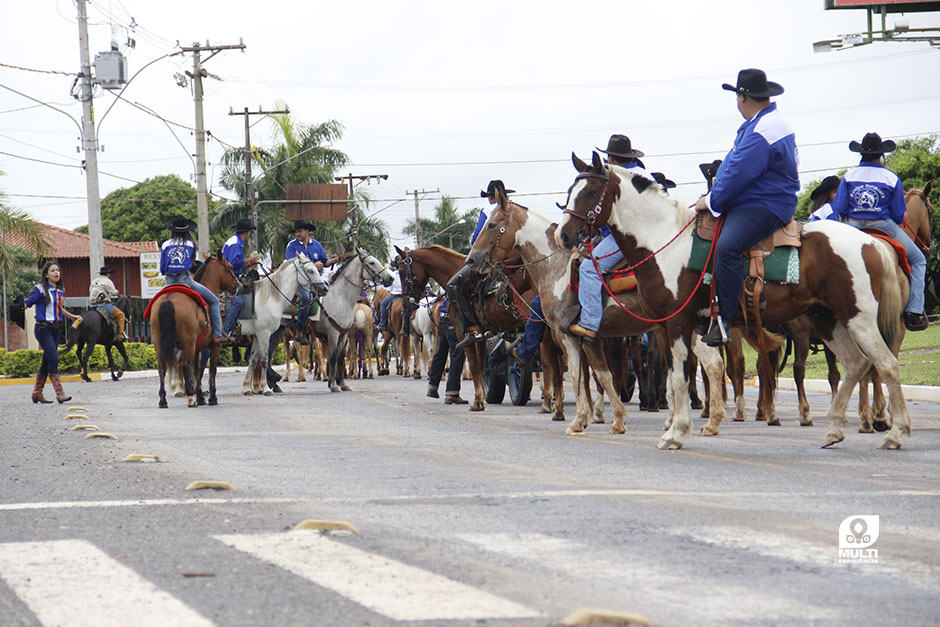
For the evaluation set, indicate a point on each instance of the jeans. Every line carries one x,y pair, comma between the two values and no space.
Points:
231,318
306,300
590,290
915,257
215,316
742,229
48,338
534,330
446,343
383,314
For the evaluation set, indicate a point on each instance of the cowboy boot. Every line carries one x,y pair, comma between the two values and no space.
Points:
37,389
57,386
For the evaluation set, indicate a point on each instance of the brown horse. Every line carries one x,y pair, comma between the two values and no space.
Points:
181,329
393,332
849,276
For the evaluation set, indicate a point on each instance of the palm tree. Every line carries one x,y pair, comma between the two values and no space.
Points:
14,222
448,226
301,154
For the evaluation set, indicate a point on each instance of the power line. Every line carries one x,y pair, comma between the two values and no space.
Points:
29,69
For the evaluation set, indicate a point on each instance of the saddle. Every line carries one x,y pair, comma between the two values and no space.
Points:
108,318
898,248
169,289
615,280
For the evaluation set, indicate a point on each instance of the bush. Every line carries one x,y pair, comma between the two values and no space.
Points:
22,363
278,356
3,354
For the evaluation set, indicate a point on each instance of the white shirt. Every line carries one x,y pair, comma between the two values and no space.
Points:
102,285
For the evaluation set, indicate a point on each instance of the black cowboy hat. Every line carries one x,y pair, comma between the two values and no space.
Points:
244,225
105,270
828,184
709,170
181,225
754,83
492,186
303,224
662,180
619,146
872,144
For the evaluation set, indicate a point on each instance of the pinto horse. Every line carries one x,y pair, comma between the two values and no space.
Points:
849,280
181,329
512,226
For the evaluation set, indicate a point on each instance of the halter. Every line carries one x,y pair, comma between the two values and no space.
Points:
591,215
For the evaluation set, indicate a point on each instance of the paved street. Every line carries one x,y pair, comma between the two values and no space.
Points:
463,518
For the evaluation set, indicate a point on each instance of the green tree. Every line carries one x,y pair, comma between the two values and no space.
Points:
26,275
449,228
300,154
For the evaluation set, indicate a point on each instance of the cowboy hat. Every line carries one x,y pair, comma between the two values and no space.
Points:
244,225
662,180
872,144
105,270
619,146
303,224
492,186
180,224
754,83
827,185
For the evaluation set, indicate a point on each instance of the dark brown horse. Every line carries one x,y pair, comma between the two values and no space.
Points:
180,328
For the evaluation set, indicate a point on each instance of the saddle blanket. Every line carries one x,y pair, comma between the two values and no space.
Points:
781,266
169,289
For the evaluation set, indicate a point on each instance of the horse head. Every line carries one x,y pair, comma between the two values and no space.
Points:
372,269
497,238
228,279
414,276
589,203
309,274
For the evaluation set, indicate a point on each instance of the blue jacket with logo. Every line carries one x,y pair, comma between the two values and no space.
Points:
176,256
761,169
46,311
870,192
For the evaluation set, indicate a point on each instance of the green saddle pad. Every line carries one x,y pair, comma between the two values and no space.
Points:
781,266
248,307
292,310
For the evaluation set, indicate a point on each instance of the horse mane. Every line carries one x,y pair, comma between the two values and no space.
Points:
682,213
444,250
202,270
265,289
346,258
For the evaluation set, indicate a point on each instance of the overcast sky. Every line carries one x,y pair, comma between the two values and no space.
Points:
446,96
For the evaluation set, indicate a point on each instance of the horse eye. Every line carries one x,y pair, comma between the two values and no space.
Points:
491,226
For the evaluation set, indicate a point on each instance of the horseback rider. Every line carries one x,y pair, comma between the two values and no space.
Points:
446,345
234,252
755,189
462,310
620,152
100,293
176,260
821,200
872,196
395,291
303,243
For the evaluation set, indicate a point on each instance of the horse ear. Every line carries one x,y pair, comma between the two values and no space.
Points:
579,165
641,183
501,199
597,163
399,251
928,188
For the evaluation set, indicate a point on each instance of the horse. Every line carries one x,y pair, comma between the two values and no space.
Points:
849,280
359,355
338,309
272,293
418,266
422,339
95,328
392,333
181,329
511,226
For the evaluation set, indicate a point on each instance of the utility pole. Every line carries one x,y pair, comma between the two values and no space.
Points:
90,146
249,184
351,203
202,192
417,216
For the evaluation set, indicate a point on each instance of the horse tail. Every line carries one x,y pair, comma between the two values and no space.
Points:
167,317
892,301
73,335
772,341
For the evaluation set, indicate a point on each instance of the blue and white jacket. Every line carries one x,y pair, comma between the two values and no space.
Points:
761,169
313,249
47,312
870,192
233,250
824,212
176,256
481,222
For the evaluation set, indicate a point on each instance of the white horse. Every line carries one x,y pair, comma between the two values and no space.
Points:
338,308
422,338
273,293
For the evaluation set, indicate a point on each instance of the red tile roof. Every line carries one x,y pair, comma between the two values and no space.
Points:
65,244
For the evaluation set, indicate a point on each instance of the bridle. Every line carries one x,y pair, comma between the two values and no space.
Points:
587,229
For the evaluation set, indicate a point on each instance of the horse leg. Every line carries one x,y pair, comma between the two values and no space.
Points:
107,351
878,404
736,367
598,405
343,341
188,378
681,426
248,382
864,405
856,365
800,352
834,375
579,382
85,356
123,351
714,368
598,361
161,370
476,362
695,402
767,378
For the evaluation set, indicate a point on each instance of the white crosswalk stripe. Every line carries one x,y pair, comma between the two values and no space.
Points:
72,583
386,586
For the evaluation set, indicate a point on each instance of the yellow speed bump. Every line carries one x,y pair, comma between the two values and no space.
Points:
210,485
141,457
325,525
100,434
585,616
77,408
76,417
84,427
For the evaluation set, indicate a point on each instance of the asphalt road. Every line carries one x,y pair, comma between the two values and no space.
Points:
463,518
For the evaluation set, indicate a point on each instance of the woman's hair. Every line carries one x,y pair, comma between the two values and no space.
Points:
821,200
44,281
186,236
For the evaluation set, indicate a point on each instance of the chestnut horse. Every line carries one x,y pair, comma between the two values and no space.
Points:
180,329
851,280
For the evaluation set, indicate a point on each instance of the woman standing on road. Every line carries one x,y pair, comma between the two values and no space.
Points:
49,298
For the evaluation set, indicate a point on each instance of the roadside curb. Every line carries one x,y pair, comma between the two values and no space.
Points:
926,393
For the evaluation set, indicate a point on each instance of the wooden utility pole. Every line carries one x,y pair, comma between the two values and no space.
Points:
417,213
351,202
202,192
90,146
249,184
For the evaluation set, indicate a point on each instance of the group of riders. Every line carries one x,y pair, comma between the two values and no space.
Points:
754,190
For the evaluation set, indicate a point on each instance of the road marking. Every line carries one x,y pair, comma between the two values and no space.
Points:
72,582
386,586
12,507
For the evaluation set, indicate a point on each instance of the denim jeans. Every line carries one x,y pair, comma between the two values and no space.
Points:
915,257
215,316
534,330
590,290
48,338
231,318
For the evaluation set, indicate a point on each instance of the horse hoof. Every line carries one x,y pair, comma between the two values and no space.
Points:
574,431
696,405
598,421
119,374
707,429
163,405
201,402
759,418
890,444
773,422
738,418
669,444
881,425
807,423
653,409
618,430
345,388
334,388
416,375
247,392
832,439
268,393
558,418
213,401
191,402
865,429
